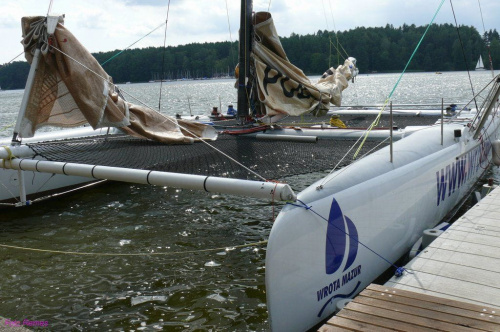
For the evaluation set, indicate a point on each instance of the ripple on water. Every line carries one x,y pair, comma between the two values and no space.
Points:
95,293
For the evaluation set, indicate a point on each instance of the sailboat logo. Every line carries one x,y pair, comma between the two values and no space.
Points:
340,232
341,241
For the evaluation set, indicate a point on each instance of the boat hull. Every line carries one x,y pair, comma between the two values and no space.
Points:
40,184
331,245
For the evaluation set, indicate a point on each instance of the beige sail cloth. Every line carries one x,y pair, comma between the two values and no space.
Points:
71,89
285,89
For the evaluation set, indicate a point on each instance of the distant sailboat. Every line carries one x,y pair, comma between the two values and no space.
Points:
480,65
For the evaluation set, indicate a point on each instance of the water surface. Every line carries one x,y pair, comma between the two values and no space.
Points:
206,281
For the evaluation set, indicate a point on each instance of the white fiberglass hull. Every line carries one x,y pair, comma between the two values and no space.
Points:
312,262
37,184
335,133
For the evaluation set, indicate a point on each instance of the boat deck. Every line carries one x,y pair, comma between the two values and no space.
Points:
452,285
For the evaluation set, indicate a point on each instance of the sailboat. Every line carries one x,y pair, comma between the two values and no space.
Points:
480,65
333,238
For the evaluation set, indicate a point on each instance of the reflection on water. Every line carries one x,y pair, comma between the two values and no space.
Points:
190,288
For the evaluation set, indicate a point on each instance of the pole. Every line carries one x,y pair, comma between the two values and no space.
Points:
257,189
442,120
26,96
391,125
244,59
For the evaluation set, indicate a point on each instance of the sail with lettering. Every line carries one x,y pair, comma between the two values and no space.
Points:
282,88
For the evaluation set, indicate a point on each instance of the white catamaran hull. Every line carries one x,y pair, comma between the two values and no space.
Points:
34,183
313,257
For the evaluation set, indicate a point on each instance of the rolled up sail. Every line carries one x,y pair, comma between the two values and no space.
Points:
71,89
282,87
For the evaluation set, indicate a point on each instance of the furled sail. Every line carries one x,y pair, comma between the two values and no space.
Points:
71,89
285,89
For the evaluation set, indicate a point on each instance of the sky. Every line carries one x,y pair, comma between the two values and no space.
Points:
115,24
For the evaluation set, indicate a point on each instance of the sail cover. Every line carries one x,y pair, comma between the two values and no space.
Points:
285,89
71,89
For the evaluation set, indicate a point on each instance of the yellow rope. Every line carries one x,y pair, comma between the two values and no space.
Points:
7,126
373,124
9,151
141,254
9,157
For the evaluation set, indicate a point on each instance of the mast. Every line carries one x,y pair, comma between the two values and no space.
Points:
244,59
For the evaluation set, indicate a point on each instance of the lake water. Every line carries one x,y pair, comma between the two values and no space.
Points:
212,277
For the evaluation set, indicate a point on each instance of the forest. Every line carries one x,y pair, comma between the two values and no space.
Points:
379,49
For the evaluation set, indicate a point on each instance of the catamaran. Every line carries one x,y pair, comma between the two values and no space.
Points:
330,241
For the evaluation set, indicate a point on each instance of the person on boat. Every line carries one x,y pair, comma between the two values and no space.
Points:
336,122
231,111
450,110
215,111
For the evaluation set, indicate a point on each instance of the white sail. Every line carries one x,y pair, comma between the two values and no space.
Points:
480,65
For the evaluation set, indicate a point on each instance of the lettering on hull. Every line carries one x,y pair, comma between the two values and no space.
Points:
341,250
455,175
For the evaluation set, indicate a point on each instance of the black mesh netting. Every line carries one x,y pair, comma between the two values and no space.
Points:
270,159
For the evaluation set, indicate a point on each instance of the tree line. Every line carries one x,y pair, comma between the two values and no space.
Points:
379,49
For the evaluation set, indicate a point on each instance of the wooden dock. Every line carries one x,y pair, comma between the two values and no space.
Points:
382,308
464,262
452,285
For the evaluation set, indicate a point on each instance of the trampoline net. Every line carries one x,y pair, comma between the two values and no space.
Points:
270,159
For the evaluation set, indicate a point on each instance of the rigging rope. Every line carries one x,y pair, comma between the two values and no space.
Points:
339,48
133,254
17,56
231,51
50,7
168,118
463,53
375,122
399,270
126,48
336,35
163,61
487,42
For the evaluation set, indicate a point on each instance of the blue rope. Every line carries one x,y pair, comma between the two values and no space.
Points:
415,50
117,54
399,270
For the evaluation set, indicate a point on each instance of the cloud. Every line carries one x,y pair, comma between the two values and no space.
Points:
115,24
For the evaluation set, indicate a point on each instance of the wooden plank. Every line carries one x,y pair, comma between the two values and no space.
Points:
435,299
383,322
399,317
482,239
489,201
482,221
337,323
463,309
463,247
332,328
477,213
455,257
478,227
457,273
454,318
432,284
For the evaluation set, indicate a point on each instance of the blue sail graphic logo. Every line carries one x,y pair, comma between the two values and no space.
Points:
340,231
